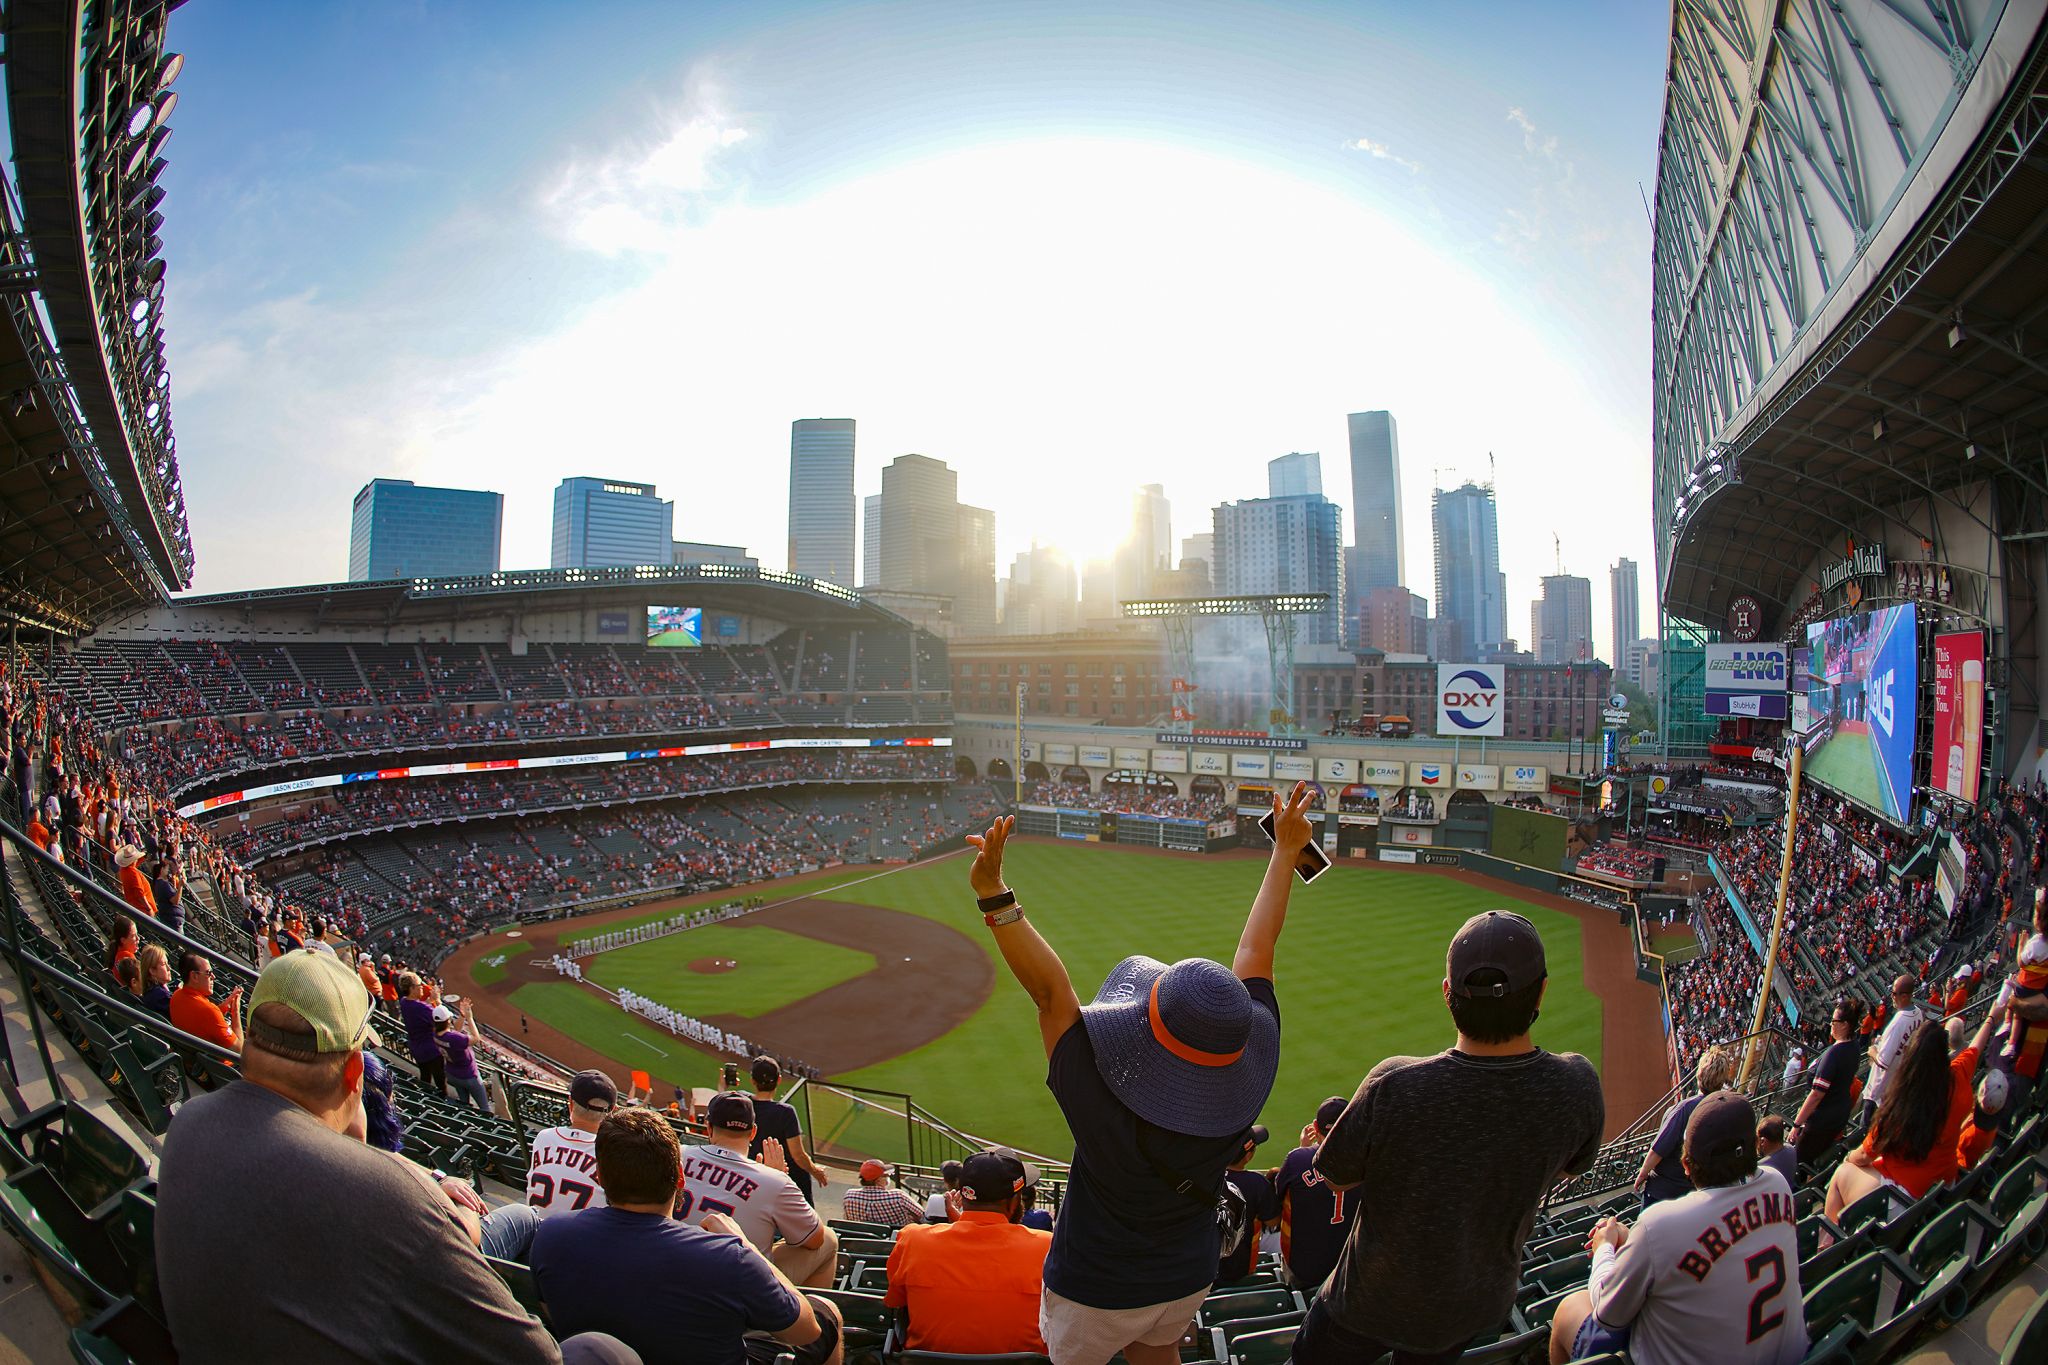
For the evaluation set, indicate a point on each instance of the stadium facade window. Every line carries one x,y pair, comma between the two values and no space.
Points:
1073,689
1073,670
1095,670
1116,708
1073,708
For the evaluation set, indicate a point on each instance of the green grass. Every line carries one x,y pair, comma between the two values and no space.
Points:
775,969
1848,763
490,969
1358,975
617,1034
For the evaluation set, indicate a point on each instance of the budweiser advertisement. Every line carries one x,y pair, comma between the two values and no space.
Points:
1958,758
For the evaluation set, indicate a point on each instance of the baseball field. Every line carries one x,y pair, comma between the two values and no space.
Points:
886,978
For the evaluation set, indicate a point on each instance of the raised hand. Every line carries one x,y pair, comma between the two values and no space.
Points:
1291,828
772,1155
986,875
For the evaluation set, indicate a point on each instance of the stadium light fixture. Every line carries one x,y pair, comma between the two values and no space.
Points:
138,118
1970,451
164,107
139,309
1877,430
173,64
1956,334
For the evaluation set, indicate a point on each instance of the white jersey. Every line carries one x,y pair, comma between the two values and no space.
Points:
1713,1275
763,1201
1890,1043
562,1176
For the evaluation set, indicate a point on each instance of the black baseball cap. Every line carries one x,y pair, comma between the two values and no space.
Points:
1721,1123
593,1090
1496,941
1257,1137
1329,1111
730,1110
993,1176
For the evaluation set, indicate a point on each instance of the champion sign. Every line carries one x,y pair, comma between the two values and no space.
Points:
1468,700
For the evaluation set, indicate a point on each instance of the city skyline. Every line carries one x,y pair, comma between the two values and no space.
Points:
663,254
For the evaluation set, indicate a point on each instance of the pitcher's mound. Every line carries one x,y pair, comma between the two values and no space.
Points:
713,965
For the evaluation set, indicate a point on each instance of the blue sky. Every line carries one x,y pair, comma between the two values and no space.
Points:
1067,248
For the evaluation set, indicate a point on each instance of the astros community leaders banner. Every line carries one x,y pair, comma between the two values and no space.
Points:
1468,700
1958,714
1747,680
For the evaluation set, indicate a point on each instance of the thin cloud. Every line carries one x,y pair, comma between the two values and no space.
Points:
1380,151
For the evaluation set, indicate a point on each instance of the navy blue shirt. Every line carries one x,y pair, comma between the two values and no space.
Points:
672,1292
774,1119
1314,1219
1669,1180
1037,1218
1125,1238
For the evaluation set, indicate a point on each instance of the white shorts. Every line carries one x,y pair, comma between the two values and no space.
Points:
1076,1334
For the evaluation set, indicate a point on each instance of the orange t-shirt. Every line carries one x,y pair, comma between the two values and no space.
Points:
1957,998
1939,1165
135,890
973,1286
194,1011
1975,1142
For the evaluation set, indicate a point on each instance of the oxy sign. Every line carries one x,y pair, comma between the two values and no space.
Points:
1470,700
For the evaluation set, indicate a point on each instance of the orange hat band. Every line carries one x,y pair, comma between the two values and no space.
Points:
1174,1045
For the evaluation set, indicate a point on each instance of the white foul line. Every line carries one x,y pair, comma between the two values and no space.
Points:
642,1041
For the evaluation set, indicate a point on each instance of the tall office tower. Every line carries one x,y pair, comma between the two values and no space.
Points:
1200,545
974,590
1628,619
1295,475
871,541
1561,621
1274,545
398,529
821,499
1099,604
1376,498
1470,589
605,523
920,526
1041,598
1147,548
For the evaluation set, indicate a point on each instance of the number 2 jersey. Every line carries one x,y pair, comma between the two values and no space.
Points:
562,1177
1710,1276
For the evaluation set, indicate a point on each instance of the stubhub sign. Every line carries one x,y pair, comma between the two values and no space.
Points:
1469,700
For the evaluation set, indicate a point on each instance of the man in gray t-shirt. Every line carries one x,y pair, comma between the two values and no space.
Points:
1450,1155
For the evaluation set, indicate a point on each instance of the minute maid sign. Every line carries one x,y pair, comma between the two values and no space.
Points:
1469,700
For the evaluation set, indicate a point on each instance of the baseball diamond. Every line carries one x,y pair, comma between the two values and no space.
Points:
1358,978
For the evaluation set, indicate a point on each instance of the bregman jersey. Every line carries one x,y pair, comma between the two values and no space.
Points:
562,1177
763,1201
1713,1275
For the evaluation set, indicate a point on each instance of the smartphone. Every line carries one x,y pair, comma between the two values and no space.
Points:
1314,862
732,1076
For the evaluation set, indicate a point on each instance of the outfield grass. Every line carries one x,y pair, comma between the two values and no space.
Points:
1358,975
775,969
597,1021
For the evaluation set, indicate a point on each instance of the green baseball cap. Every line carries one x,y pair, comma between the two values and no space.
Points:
327,995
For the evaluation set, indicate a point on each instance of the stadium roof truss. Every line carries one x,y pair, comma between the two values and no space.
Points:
94,518
715,587
1850,288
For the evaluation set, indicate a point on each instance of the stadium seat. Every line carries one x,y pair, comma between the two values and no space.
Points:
1877,1292
2029,1339
1224,1334
1514,1343
871,1278
519,1279
89,1348
1539,1313
1877,1207
1270,1347
1942,1251
868,1248
1252,1303
864,1315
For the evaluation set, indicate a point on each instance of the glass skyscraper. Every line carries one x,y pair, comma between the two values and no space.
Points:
607,523
400,530
1375,501
1277,545
1471,593
821,499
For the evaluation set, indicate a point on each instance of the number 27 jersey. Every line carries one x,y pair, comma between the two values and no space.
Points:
562,1177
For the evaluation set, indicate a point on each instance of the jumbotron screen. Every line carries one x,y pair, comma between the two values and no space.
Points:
675,627
1863,705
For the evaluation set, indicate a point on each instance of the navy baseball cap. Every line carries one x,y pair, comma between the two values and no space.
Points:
1496,941
993,1176
1721,1123
593,1090
1329,1111
731,1111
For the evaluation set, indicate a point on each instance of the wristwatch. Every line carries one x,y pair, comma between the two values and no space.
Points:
1002,900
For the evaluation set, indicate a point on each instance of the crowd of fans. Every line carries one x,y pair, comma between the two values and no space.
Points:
1125,798
1619,861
